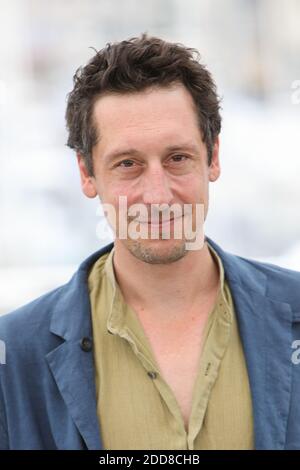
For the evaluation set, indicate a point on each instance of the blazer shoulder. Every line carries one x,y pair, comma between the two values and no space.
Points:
249,271
29,326
272,269
283,284
30,322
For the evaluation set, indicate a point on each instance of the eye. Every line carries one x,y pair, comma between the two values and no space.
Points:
126,163
179,158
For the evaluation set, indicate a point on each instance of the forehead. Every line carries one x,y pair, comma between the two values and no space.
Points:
146,110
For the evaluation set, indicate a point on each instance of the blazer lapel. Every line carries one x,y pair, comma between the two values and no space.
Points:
72,366
266,332
73,372
265,326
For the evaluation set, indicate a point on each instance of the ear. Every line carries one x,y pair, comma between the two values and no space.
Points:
214,169
87,182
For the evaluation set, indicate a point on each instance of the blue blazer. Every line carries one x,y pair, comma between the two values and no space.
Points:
47,388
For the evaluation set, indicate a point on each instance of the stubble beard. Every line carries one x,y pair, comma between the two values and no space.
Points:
154,255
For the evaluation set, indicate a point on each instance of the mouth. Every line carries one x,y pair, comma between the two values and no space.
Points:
155,223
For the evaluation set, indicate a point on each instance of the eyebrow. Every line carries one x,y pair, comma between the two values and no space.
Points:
110,157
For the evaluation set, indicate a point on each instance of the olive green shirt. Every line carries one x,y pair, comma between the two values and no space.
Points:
136,407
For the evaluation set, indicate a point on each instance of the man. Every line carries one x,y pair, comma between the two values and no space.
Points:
152,345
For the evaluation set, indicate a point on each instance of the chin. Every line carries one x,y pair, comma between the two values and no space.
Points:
157,251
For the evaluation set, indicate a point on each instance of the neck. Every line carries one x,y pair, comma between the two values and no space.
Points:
168,290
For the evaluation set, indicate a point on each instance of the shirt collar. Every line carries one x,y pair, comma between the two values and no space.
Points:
116,314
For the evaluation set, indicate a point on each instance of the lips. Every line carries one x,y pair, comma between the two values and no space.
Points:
155,222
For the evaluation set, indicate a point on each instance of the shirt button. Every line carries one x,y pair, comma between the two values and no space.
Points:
207,369
152,374
86,344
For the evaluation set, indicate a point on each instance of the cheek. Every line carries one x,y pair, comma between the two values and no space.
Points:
120,193
192,187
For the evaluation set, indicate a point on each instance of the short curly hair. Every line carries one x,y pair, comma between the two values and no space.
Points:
131,66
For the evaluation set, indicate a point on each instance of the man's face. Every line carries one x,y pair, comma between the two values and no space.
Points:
151,151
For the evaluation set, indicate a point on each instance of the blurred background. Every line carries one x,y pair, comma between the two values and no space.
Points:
252,48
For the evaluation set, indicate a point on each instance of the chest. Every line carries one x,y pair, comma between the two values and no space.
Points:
177,352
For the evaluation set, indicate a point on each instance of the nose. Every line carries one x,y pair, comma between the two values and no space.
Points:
156,186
